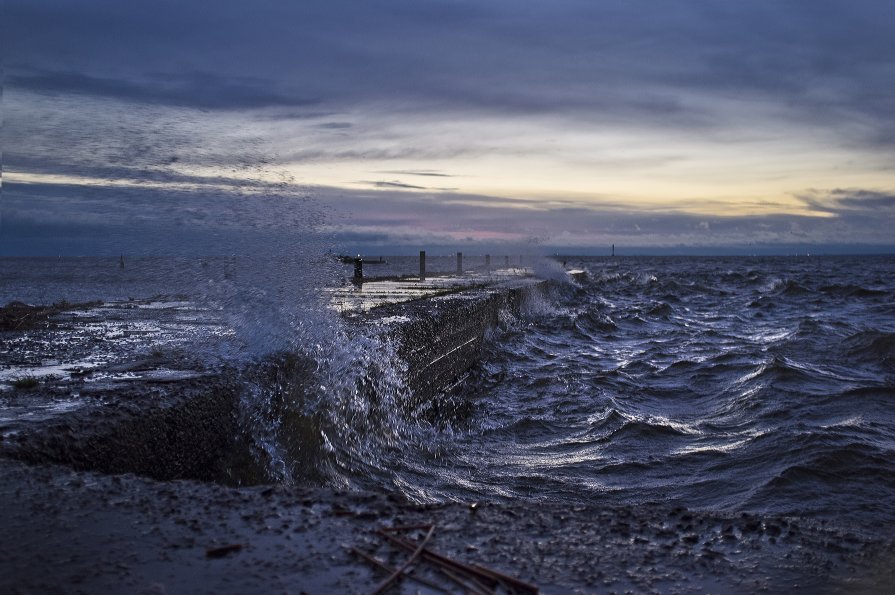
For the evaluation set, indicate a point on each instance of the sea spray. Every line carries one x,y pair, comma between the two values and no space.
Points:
329,411
362,402
193,208
320,398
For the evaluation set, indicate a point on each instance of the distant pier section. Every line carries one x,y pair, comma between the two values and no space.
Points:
366,293
438,321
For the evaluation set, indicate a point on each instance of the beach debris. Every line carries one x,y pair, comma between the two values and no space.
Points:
19,316
339,510
470,578
400,570
26,383
224,550
405,574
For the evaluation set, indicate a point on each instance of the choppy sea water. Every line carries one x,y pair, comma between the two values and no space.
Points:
761,384
764,384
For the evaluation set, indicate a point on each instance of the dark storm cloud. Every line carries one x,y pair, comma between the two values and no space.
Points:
75,219
395,185
32,212
825,61
200,90
849,201
335,125
424,173
406,218
278,116
718,70
400,185
864,199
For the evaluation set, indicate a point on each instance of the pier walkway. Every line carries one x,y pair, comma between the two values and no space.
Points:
374,292
118,387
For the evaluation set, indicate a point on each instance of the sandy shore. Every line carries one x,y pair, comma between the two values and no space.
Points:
67,531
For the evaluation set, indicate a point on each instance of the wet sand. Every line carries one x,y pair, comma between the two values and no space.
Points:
67,531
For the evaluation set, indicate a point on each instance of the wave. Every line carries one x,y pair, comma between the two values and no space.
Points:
615,426
849,290
661,310
868,393
525,424
657,381
643,430
855,471
791,287
763,302
871,345
781,368
591,321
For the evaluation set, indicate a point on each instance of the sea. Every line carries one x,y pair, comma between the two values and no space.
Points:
719,383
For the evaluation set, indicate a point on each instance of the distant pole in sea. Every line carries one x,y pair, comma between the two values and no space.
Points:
488,263
459,263
506,261
613,249
422,265
358,278
121,262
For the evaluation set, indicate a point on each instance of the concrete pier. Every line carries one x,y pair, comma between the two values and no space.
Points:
440,344
167,416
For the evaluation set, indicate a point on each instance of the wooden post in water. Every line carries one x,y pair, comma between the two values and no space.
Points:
459,263
422,265
358,278
488,263
121,262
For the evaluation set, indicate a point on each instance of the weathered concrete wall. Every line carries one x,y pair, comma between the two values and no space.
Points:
171,431
440,338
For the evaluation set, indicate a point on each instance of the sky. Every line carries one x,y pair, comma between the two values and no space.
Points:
398,125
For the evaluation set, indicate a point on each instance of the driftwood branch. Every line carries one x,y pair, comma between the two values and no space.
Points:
479,586
400,570
383,566
471,578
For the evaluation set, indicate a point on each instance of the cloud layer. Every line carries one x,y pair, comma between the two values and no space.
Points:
575,123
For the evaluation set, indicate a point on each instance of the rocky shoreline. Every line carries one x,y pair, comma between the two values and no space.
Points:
68,531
